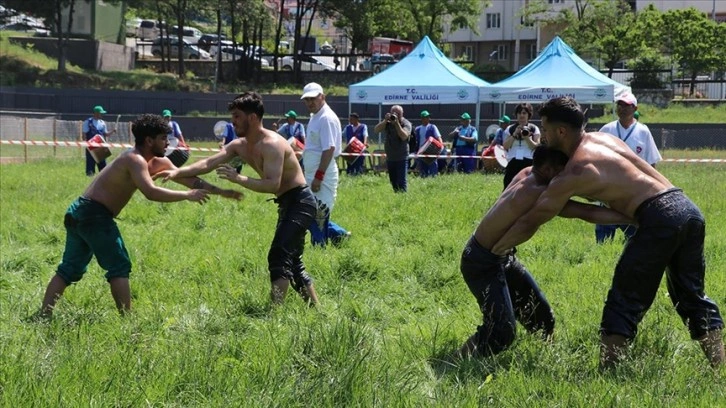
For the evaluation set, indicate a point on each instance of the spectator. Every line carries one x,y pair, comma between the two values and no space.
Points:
229,136
174,129
359,131
465,138
520,139
324,140
423,132
91,127
396,131
292,128
639,139
498,138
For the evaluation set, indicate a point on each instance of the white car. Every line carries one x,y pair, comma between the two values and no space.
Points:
190,34
307,63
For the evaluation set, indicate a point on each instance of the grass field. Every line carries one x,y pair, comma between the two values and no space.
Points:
393,306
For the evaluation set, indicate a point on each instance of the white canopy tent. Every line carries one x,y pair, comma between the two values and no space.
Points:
556,72
424,77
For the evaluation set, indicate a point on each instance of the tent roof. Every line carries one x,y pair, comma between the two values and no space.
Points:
557,71
424,76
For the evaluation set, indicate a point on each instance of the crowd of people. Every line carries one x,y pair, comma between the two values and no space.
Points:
547,166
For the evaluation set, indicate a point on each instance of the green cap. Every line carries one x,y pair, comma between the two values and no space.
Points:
505,119
291,114
98,109
166,112
425,114
465,116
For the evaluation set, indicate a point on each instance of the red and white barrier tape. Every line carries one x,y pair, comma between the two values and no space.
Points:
51,143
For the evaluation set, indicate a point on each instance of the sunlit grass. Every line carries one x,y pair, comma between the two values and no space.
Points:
393,306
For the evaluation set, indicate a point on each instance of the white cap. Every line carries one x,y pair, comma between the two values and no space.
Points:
628,98
312,90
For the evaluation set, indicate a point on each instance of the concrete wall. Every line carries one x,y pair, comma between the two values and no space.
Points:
87,54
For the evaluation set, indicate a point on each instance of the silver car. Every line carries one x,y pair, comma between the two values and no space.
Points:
189,51
307,63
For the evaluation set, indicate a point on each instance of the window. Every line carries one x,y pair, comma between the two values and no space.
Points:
555,1
532,51
494,20
526,22
502,52
469,52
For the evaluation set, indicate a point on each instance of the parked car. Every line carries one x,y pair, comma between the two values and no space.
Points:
189,51
230,53
213,47
206,41
190,34
37,31
132,27
307,63
377,62
150,29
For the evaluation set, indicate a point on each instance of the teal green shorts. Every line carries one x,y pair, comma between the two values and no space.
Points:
91,230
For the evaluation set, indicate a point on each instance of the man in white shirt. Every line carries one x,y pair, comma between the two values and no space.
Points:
638,137
322,145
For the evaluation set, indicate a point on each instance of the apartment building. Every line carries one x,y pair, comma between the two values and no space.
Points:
505,38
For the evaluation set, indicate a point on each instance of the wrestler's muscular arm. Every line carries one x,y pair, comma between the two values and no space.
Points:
549,204
159,164
594,214
139,171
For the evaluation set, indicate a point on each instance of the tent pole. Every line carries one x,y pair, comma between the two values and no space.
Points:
380,118
478,114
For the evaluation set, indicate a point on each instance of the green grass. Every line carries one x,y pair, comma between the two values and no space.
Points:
203,333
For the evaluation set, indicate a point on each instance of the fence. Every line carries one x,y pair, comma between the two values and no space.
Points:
50,130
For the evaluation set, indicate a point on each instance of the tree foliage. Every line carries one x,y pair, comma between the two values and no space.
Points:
695,42
51,12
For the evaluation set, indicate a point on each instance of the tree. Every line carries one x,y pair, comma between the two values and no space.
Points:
355,18
601,29
428,16
695,42
51,11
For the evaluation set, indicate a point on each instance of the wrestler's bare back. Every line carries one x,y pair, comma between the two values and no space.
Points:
514,202
254,152
596,170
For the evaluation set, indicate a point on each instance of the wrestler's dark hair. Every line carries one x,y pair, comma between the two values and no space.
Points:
563,110
248,102
148,125
524,107
545,156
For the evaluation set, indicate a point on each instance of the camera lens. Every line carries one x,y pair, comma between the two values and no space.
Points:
525,132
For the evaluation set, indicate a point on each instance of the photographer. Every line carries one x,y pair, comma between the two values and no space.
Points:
396,130
520,140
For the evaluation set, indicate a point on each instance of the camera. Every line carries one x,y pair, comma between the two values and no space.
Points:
393,117
525,132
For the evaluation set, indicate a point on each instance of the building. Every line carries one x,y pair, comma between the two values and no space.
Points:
97,20
507,40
